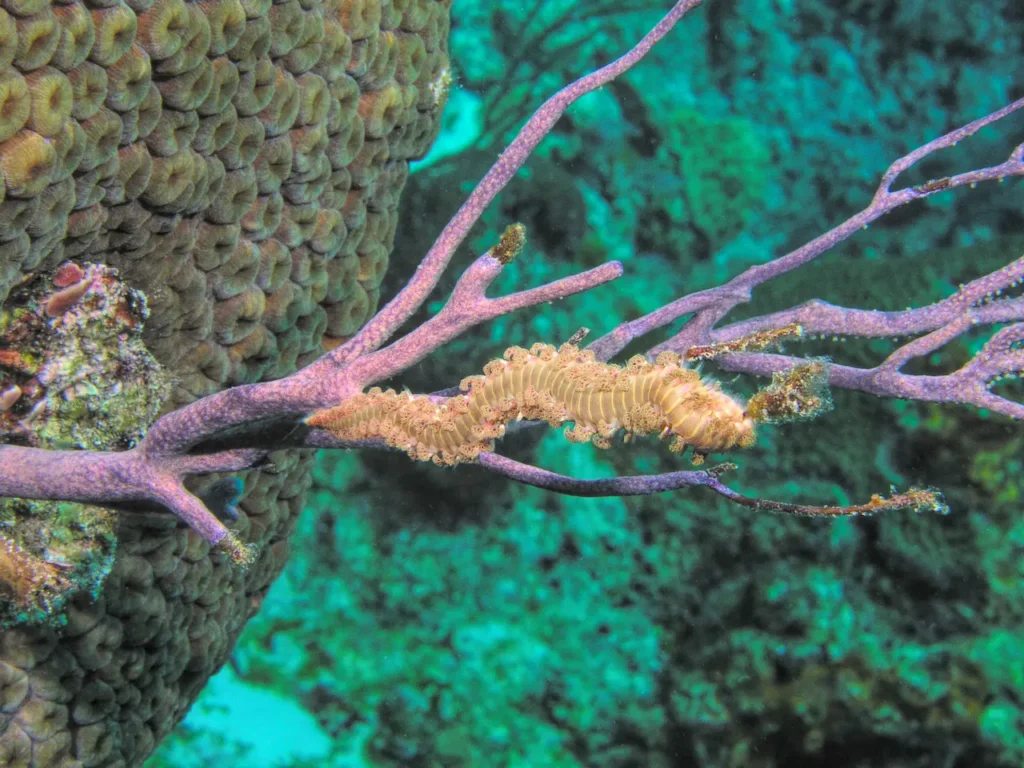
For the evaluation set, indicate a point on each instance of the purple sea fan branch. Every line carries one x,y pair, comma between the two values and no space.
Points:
978,299
644,485
379,329
323,384
711,305
154,471
467,307
105,478
223,432
972,305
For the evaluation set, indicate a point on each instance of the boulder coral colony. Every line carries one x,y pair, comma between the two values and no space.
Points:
239,163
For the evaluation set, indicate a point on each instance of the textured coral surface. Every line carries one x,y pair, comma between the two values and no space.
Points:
240,161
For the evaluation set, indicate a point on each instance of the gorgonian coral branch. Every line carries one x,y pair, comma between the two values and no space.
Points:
710,306
980,300
917,499
974,304
154,471
379,329
235,429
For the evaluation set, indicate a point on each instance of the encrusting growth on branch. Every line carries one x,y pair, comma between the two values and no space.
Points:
754,342
510,244
798,394
555,386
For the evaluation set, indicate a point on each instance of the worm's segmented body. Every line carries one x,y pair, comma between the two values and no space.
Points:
556,386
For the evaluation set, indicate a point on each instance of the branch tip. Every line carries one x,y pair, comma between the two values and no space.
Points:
577,338
241,554
510,244
918,500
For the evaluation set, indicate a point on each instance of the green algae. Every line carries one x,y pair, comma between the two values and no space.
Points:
86,381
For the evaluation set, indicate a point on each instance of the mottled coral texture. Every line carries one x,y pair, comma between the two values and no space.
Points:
240,161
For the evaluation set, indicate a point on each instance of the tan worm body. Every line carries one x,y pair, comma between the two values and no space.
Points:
556,386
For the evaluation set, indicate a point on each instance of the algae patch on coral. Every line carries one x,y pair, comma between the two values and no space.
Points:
50,551
74,374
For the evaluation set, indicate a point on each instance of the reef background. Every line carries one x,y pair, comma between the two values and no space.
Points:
431,617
